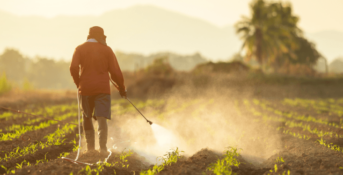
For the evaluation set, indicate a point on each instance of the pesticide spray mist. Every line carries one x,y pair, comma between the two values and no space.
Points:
164,137
191,124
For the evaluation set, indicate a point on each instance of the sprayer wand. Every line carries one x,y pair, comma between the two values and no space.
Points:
115,85
139,112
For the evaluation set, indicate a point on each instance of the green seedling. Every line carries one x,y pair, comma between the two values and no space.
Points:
168,159
64,154
123,157
42,160
223,166
279,160
54,139
9,170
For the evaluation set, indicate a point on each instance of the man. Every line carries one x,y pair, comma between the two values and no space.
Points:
91,65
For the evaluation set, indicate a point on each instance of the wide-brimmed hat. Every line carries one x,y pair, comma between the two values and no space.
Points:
96,32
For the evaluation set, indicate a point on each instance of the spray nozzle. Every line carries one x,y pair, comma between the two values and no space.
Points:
149,122
139,111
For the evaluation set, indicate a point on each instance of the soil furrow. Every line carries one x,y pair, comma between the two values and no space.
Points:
51,152
29,137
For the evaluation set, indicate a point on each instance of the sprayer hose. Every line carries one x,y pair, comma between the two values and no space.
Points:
79,122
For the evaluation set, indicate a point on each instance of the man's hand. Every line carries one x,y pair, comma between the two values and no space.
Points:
122,93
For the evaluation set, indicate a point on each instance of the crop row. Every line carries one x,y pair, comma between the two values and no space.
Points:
292,124
296,116
222,166
15,131
55,138
46,111
321,106
305,127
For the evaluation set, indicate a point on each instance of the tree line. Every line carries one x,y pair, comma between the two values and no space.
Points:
41,72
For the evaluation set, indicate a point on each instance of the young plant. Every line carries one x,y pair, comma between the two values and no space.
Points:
168,159
223,166
123,157
9,170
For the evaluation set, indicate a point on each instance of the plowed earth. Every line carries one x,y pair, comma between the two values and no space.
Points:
300,156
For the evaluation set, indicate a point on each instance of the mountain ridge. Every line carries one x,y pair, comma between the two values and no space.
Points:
142,29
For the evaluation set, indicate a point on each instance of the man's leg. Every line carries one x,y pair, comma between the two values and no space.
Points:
88,108
102,113
102,131
89,132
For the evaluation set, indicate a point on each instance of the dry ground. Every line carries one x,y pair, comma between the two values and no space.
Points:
235,113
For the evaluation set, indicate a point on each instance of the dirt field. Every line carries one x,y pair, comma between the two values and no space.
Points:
277,128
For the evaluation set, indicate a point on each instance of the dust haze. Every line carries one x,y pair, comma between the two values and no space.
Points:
195,118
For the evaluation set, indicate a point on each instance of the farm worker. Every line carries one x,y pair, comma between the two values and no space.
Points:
91,65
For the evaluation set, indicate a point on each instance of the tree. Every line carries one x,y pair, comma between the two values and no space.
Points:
261,33
336,66
49,74
303,53
306,53
271,36
13,64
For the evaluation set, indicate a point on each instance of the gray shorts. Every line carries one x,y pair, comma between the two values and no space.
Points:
96,105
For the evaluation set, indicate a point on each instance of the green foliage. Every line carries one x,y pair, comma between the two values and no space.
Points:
223,166
168,159
171,157
9,170
64,154
279,160
42,160
13,63
123,157
18,130
87,170
99,167
160,66
305,53
55,138
27,86
292,119
5,85
20,166
272,37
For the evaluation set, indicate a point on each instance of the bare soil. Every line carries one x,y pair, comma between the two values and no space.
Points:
301,157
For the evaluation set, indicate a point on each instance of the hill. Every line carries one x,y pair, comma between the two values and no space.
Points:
140,29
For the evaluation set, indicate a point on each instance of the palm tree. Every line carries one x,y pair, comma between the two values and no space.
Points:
288,33
251,30
269,31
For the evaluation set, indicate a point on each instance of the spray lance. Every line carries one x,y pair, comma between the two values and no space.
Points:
139,112
115,85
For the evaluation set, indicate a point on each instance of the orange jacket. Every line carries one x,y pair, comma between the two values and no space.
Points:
96,62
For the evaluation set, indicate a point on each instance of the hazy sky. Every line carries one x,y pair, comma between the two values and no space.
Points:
316,15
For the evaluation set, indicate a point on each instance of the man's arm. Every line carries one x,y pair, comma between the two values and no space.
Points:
115,71
74,67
